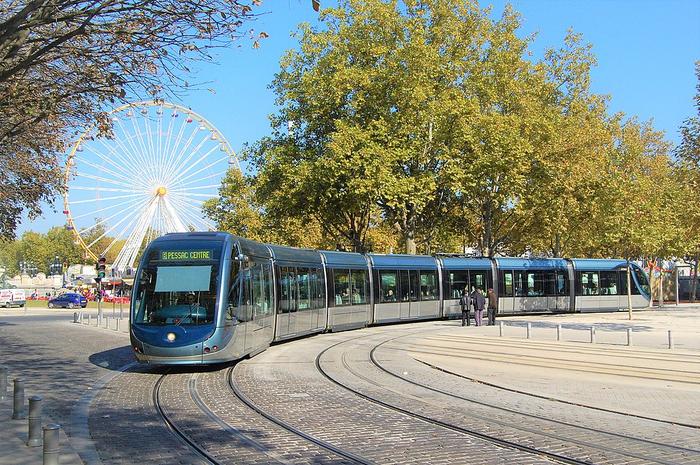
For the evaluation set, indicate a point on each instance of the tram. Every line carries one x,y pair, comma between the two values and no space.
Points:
211,297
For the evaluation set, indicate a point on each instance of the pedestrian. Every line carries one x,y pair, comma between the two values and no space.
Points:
464,303
493,306
479,302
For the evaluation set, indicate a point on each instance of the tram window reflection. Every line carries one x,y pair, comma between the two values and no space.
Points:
589,283
342,287
507,279
456,281
303,289
404,288
359,288
415,288
387,281
428,285
608,282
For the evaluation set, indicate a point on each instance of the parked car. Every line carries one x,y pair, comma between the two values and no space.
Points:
12,297
68,300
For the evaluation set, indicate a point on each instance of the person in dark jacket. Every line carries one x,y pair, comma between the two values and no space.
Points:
479,302
464,303
493,305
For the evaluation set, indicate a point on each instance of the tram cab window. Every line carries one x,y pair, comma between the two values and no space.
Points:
507,280
428,285
388,287
608,283
359,287
456,282
641,280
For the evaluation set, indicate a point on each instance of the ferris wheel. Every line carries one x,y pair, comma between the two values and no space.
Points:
150,177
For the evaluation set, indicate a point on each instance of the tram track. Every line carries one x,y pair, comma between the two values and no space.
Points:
175,430
488,420
469,432
353,458
376,363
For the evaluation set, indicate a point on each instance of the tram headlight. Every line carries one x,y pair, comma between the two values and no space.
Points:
170,337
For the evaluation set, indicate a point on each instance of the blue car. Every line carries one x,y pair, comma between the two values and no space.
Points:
68,300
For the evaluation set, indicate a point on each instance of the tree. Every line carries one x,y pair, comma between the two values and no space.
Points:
63,61
688,154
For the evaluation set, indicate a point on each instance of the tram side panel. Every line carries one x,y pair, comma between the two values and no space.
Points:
349,298
301,305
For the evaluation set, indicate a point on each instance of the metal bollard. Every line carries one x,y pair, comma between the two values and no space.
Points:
529,329
3,382
629,336
117,328
34,436
670,339
75,317
106,322
51,446
121,315
89,318
592,334
500,328
18,412
558,332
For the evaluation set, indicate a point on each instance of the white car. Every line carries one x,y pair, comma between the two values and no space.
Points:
12,298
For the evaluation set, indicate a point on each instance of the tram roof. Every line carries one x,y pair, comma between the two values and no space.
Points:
344,259
530,263
253,248
465,263
595,264
396,261
291,254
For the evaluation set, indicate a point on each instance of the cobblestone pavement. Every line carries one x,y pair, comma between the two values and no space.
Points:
529,391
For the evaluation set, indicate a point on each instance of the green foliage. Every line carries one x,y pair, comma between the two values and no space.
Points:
40,250
428,124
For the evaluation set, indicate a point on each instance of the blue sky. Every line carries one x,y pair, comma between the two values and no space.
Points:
646,52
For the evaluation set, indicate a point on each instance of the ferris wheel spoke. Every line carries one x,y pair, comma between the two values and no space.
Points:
185,209
143,152
180,184
173,173
116,225
108,207
206,167
171,151
133,153
107,180
128,253
103,221
196,188
153,154
177,158
122,173
99,188
116,197
123,155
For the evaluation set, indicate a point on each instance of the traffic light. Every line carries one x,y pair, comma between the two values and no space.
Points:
101,265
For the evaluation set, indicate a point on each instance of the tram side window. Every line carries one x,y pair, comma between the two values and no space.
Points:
234,292
404,287
268,292
318,296
520,283
456,282
415,285
287,290
341,280
428,285
608,283
304,293
243,312
588,282
561,284
535,281
359,287
477,280
387,282
507,280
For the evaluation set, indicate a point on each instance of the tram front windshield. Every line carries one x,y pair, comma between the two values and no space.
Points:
177,286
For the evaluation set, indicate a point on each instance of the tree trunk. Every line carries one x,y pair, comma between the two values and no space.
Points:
410,230
694,279
487,241
557,245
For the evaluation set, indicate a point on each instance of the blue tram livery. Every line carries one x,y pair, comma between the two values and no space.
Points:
211,297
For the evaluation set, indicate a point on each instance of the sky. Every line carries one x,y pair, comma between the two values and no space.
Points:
645,49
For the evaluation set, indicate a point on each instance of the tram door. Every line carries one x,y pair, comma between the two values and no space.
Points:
404,293
246,309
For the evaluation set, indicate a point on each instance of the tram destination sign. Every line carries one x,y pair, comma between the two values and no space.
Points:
186,255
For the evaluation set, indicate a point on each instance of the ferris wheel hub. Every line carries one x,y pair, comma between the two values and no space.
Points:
161,191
